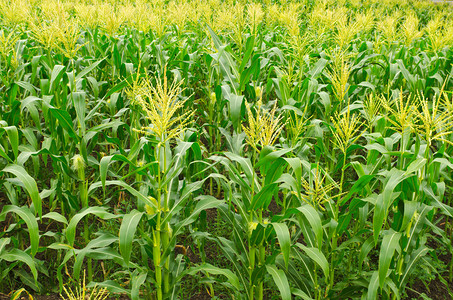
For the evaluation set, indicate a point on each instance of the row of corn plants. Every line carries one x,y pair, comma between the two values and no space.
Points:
286,149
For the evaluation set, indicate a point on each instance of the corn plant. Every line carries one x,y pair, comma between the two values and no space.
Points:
262,148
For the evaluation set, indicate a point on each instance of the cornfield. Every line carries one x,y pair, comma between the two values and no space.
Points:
226,149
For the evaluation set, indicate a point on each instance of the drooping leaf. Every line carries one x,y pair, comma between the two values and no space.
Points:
317,256
30,185
388,247
284,240
127,233
281,281
18,255
100,212
315,221
25,214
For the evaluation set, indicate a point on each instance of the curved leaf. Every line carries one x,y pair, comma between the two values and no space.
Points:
29,219
317,256
366,248
137,282
280,280
13,137
385,199
263,198
210,269
3,243
30,185
358,185
284,239
301,294
206,202
18,255
315,221
373,286
416,256
105,162
124,185
64,118
56,217
127,233
111,286
100,212
388,246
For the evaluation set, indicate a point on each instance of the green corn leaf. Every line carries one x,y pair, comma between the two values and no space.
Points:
205,202
384,200
111,286
367,246
104,165
317,257
416,165
233,256
100,212
307,268
274,172
104,253
56,217
4,155
245,163
30,186
280,280
215,38
315,221
388,246
249,45
416,226
88,69
94,247
187,191
13,137
358,186
414,258
407,75
284,240
410,207
18,255
373,286
78,100
137,282
296,165
263,198
448,210
127,233
301,294
65,121
27,86
110,253
118,87
318,67
124,185
235,176
235,103
210,269
3,243
55,77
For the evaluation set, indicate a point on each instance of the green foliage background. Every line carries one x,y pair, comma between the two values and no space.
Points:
297,149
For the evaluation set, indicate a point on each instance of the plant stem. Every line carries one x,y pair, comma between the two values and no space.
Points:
251,268
165,232
262,255
157,234
84,201
157,258
335,234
